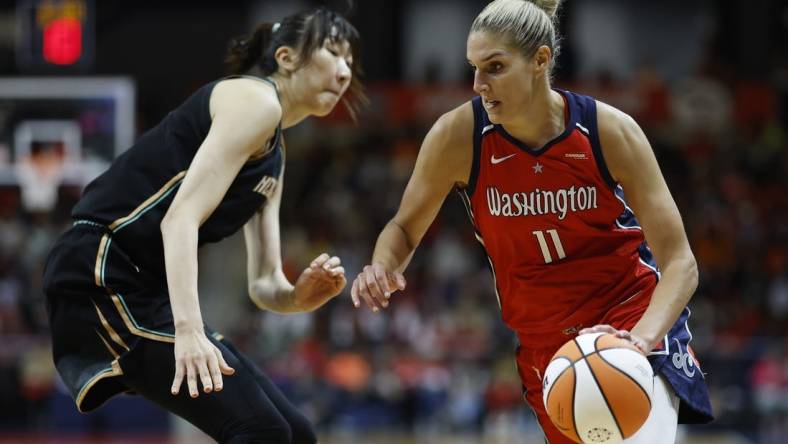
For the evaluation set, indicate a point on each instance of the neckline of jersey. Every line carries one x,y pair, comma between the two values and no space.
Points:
277,138
570,120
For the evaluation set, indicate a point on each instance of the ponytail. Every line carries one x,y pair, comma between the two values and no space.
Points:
247,51
550,7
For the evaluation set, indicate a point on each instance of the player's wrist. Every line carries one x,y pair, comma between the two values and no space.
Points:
292,297
187,326
387,265
645,341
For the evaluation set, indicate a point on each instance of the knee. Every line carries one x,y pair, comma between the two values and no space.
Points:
257,430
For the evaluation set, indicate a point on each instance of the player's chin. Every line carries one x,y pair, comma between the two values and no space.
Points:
325,105
323,112
495,116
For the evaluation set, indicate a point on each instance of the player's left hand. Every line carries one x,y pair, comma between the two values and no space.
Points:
318,283
638,342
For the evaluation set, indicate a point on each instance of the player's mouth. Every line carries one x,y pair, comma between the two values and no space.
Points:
490,104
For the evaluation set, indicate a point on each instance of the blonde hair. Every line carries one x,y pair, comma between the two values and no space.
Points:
527,24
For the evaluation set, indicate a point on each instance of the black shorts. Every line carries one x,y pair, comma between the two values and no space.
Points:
112,332
100,305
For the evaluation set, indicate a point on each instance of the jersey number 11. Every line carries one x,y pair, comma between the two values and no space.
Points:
540,237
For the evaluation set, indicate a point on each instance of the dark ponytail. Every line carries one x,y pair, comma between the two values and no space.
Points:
246,51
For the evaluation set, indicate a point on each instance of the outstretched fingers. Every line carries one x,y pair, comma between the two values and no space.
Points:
206,379
223,366
199,362
191,379
180,373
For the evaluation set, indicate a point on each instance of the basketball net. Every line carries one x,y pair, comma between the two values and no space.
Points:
39,177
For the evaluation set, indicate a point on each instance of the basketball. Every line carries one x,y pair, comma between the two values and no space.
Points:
597,389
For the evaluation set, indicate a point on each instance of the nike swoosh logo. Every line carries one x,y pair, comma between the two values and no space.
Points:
495,161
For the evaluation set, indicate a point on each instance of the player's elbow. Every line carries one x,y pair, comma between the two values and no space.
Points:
250,290
175,221
258,294
682,268
273,294
689,268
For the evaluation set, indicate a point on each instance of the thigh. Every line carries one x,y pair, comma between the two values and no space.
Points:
528,362
662,422
301,427
241,408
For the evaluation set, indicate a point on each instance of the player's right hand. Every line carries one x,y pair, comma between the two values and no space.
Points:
374,285
197,357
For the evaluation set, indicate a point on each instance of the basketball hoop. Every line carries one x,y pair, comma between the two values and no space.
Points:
39,175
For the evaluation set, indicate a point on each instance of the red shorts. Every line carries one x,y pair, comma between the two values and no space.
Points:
535,352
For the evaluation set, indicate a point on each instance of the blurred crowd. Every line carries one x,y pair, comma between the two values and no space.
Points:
439,358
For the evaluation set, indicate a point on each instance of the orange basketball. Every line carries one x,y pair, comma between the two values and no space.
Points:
597,389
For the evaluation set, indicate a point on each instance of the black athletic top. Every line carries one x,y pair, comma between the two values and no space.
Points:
133,195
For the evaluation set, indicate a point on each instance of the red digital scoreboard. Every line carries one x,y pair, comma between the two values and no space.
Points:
57,35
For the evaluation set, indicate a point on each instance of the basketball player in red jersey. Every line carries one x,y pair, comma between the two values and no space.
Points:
543,173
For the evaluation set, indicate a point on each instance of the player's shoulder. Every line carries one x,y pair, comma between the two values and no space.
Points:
614,124
621,139
455,126
244,95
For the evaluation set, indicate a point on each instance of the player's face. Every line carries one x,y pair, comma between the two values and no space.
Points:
327,76
503,77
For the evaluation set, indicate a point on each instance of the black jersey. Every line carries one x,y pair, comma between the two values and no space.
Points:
133,195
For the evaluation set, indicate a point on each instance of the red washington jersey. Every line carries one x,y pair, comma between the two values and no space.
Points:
563,245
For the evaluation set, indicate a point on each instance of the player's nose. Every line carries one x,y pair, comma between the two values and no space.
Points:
479,83
344,73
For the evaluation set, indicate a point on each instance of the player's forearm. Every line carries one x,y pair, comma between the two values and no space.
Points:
677,284
393,249
262,259
275,293
180,256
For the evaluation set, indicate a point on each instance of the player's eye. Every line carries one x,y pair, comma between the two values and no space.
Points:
495,67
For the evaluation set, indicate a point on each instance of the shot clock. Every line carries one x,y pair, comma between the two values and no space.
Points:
57,36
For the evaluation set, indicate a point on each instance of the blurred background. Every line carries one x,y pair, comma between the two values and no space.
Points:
707,80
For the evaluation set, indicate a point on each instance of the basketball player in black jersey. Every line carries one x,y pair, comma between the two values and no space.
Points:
121,285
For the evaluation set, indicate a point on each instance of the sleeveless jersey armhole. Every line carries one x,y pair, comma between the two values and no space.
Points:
274,141
278,134
589,119
479,119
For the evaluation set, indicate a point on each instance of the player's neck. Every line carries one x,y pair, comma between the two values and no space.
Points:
293,112
535,127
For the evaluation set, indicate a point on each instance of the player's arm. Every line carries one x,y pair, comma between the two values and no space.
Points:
632,163
444,161
244,116
269,288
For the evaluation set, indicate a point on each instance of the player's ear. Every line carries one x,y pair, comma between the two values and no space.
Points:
542,59
286,58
